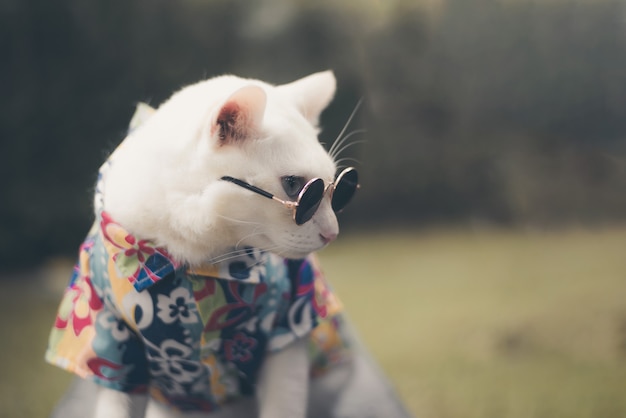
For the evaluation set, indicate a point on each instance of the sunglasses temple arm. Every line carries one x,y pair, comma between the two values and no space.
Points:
255,189
249,187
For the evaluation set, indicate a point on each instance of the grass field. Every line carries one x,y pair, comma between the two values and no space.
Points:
467,324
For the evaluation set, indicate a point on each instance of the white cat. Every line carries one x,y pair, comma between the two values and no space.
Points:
242,128
196,285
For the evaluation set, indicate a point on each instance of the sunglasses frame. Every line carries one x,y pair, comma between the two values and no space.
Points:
294,205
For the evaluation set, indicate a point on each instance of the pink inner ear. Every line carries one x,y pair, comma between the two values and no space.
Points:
241,116
230,122
227,119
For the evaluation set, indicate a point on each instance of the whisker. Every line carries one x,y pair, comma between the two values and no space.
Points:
345,147
238,253
345,126
339,162
228,255
344,140
239,220
253,233
236,250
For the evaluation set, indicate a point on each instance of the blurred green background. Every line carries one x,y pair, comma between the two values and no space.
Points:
483,258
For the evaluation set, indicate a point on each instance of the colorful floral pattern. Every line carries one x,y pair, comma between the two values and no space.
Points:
139,260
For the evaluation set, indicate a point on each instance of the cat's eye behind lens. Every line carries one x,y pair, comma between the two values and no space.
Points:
292,185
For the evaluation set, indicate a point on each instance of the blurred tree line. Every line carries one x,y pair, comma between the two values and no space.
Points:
501,111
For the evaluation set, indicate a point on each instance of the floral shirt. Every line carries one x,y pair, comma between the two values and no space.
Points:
134,320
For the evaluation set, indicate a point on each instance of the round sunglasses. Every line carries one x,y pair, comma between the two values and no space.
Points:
312,193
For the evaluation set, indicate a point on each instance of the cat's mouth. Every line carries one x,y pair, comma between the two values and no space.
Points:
327,238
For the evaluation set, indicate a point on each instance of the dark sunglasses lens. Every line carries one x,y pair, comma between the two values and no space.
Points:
347,184
309,201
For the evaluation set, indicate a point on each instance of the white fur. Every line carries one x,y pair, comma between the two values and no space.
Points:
164,186
285,378
115,404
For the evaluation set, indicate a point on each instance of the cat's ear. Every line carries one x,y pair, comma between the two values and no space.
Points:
241,115
311,94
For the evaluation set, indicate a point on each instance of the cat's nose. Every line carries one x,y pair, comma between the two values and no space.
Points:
328,237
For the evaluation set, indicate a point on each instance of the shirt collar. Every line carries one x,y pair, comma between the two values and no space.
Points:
143,263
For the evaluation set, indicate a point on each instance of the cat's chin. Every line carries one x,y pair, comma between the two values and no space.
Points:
297,254
284,247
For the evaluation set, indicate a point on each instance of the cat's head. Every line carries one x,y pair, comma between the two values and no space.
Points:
165,183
